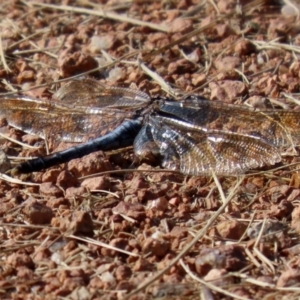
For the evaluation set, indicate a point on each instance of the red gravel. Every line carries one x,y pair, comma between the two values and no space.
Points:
102,237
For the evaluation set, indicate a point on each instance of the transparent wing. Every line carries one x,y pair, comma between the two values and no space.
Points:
279,127
89,93
82,111
195,151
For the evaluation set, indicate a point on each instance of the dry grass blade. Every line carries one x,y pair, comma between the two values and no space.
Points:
261,232
158,79
290,289
197,8
274,45
2,55
105,192
24,145
42,50
264,284
254,281
103,14
219,187
9,86
123,171
212,2
25,38
249,225
16,181
98,243
265,260
258,253
30,226
188,247
291,98
243,76
210,285
28,38
108,58
252,258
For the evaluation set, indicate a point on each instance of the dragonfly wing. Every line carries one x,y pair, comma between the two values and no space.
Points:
194,151
90,93
144,145
278,127
49,119
289,120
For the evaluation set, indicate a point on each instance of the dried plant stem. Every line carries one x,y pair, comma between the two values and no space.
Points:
103,14
210,285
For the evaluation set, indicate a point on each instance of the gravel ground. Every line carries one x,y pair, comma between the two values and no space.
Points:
108,226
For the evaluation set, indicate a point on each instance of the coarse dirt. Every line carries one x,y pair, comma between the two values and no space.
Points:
118,235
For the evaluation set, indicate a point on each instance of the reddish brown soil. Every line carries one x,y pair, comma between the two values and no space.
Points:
105,236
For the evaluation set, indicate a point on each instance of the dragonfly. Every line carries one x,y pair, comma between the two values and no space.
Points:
193,135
